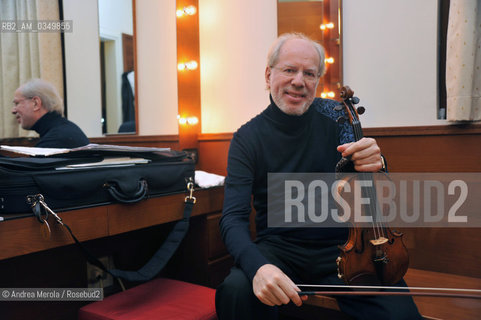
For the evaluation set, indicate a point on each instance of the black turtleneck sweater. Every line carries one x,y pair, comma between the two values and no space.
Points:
276,142
57,132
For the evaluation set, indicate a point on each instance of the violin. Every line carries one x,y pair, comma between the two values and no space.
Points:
373,255
372,258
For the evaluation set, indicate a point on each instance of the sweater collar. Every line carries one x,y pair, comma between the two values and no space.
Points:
45,122
284,119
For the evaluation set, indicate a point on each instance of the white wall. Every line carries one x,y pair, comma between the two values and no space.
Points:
234,39
82,64
157,67
156,62
116,16
390,60
115,19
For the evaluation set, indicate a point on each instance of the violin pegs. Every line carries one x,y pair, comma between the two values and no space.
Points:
355,100
339,107
361,110
341,120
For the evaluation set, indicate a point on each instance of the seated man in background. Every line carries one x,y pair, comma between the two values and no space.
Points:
38,106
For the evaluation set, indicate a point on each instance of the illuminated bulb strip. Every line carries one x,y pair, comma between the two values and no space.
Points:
190,65
186,11
328,25
192,121
329,60
329,94
187,120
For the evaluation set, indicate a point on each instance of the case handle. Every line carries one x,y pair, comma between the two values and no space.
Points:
138,195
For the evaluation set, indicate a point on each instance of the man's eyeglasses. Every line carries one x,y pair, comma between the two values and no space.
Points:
17,102
290,72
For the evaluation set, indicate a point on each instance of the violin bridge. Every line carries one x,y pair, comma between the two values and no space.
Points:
339,274
379,241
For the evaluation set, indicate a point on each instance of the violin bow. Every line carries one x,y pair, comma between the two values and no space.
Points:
432,292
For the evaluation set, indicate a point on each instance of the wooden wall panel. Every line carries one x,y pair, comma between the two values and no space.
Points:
188,81
164,141
213,150
408,149
433,153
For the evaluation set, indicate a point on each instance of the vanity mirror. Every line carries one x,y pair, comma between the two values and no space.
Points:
321,21
155,61
117,74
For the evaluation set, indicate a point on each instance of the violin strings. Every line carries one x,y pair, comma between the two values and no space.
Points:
377,223
377,229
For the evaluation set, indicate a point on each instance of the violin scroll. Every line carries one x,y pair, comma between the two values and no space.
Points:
346,92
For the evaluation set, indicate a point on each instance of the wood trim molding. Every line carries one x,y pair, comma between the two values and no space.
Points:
160,141
453,129
112,139
20,141
215,136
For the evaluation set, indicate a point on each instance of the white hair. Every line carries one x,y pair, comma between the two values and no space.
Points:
274,51
47,93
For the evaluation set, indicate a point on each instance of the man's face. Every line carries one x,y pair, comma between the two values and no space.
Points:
293,80
24,110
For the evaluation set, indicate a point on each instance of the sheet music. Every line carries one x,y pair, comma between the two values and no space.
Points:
107,162
34,151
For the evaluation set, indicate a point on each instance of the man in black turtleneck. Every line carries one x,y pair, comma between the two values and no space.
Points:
37,106
296,133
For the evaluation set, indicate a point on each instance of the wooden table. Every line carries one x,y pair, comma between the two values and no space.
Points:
23,235
27,260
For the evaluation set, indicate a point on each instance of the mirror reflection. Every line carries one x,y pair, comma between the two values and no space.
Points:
321,21
117,72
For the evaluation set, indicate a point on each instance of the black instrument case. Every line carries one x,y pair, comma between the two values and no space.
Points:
65,185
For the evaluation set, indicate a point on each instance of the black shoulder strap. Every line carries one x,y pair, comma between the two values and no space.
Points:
153,266
163,254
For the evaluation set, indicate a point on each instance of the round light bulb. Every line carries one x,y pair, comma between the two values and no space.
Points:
190,10
192,120
191,65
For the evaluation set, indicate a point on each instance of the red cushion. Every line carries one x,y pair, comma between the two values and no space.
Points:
156,299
